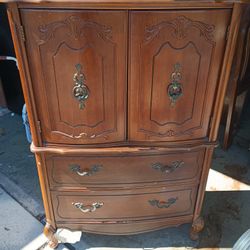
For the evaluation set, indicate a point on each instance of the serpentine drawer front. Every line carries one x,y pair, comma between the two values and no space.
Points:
86,206
124,101
122,170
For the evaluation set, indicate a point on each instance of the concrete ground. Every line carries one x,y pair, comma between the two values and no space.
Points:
13,228
226,212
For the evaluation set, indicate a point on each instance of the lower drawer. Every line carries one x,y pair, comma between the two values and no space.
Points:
125,228
123,206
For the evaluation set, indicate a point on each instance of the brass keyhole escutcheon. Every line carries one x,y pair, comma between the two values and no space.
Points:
80,90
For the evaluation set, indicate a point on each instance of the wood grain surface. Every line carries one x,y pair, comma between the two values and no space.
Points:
144,157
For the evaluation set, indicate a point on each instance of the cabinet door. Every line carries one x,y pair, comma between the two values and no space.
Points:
175,62
78,62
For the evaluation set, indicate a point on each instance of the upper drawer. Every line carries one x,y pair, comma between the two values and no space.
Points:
175,60
77,62
124,170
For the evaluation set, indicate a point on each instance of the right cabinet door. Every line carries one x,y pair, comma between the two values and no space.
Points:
175,61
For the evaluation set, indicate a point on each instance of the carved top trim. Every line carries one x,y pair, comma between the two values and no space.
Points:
181,26
75,26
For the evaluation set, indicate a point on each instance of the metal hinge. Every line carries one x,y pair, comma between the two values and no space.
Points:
39,127
227,33
21,32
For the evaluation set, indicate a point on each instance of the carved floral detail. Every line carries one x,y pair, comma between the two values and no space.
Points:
83,135
168,133
180,27
75,26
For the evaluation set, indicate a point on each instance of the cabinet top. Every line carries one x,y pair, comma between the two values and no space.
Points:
132,3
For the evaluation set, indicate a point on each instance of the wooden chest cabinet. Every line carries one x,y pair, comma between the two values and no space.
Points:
124,102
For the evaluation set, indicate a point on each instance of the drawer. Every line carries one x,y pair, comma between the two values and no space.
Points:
123,170
123,206
128,227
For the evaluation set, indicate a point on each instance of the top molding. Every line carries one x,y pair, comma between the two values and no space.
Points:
126,4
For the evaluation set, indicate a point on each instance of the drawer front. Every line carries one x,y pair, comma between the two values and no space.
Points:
124,170
175,61
133,227
78,69
123,206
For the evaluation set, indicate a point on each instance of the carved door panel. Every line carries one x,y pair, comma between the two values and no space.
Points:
78,70
175,61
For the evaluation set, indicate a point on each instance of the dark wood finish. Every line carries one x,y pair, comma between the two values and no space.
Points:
158,41
57,42
225,69
124,170
126,145
124,206
238,85
23,66
125,4
49,40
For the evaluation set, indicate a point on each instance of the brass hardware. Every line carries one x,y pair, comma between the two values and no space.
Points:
167,168
80,90
85,172
174,89
163,204
88,208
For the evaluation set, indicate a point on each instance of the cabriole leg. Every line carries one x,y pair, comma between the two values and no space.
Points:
49,232
197,226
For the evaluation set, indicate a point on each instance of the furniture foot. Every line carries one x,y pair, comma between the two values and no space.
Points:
49,232
197,227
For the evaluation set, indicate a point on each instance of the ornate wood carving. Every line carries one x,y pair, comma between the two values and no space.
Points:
189,48
75,26
180,28
168,133
82,37
131,61
84,135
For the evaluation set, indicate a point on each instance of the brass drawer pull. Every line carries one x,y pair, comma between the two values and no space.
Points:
167,168
163,204
86,172
87,208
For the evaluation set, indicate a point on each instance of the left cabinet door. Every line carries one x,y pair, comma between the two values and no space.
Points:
77,62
